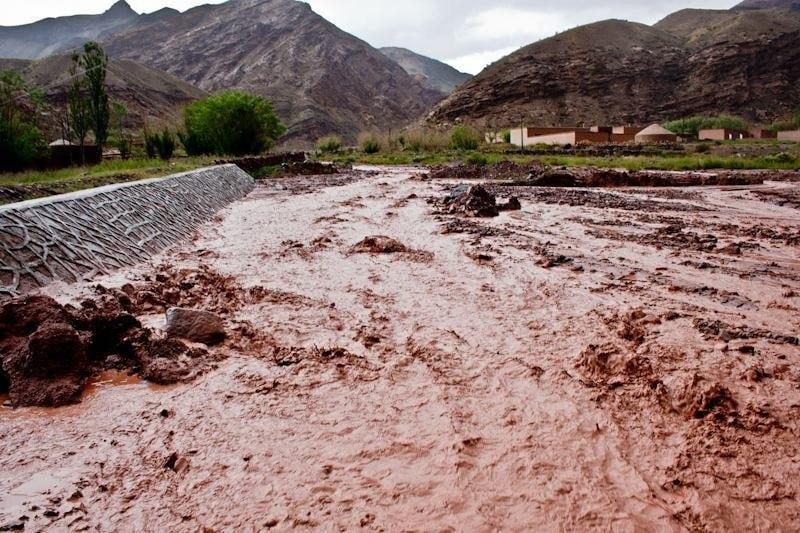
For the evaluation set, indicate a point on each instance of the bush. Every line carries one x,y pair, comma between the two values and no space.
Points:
427,141
783,126
21,142
159,144
330,144
230,123
702,148
781,158
693,125
477,159
464,138
370,144
507,136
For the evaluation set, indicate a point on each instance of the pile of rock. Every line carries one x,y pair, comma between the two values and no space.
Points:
476,201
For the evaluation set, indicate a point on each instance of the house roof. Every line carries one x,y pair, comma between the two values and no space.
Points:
655,129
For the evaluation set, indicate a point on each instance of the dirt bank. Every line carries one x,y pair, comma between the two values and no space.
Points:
536,174
599,359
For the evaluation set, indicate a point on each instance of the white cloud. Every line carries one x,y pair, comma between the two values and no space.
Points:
503,22
474,63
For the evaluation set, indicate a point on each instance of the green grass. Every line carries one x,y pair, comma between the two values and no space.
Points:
664,161
136,168
680,162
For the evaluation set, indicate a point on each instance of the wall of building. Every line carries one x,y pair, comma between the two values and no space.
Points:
722,135
656,138
76,236
763,134
789,136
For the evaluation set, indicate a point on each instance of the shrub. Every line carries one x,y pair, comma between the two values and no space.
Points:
370,144
230,123
783,126
464,138
781,158
428,141
330,144
693,125
702,148
159,144
477,159
21,142
507,136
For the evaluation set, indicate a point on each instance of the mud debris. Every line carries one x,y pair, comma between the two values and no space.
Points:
378,244
536,174
50,350
630,388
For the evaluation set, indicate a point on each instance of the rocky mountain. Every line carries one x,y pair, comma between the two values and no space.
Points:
430,72
150,95
706,27
54,35
743,62
320,79
769,4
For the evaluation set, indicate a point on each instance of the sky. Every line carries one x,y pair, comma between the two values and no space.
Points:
468,34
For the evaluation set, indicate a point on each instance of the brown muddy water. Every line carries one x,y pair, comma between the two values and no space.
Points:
620,359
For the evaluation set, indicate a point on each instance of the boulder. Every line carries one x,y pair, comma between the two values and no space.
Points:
195,326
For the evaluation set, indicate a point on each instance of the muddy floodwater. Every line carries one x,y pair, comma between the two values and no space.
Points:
620,359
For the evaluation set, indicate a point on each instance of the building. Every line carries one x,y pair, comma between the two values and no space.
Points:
625,134
759,133
789,136
655,133
564,135
528,136
722,134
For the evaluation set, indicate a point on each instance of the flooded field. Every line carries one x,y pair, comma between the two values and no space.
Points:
600,358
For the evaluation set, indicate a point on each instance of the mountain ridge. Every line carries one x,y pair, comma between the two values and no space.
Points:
743,62
320,79
433,73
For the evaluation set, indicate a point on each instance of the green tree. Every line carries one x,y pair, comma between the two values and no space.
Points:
77,102
21,142
123,140
95,64
230,123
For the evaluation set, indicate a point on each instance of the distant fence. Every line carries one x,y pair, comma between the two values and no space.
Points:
79,235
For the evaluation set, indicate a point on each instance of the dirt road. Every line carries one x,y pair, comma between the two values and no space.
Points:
622,359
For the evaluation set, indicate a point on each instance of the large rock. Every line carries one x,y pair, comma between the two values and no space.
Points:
195,326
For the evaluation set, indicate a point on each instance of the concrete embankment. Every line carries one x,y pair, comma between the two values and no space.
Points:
75,236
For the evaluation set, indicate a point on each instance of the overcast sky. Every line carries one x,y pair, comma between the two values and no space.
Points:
468,34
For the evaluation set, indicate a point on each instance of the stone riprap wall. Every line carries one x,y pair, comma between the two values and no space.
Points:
75,236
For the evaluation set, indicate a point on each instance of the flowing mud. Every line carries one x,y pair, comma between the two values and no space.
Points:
619,359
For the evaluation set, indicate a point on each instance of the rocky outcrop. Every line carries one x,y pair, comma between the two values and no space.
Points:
433,74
